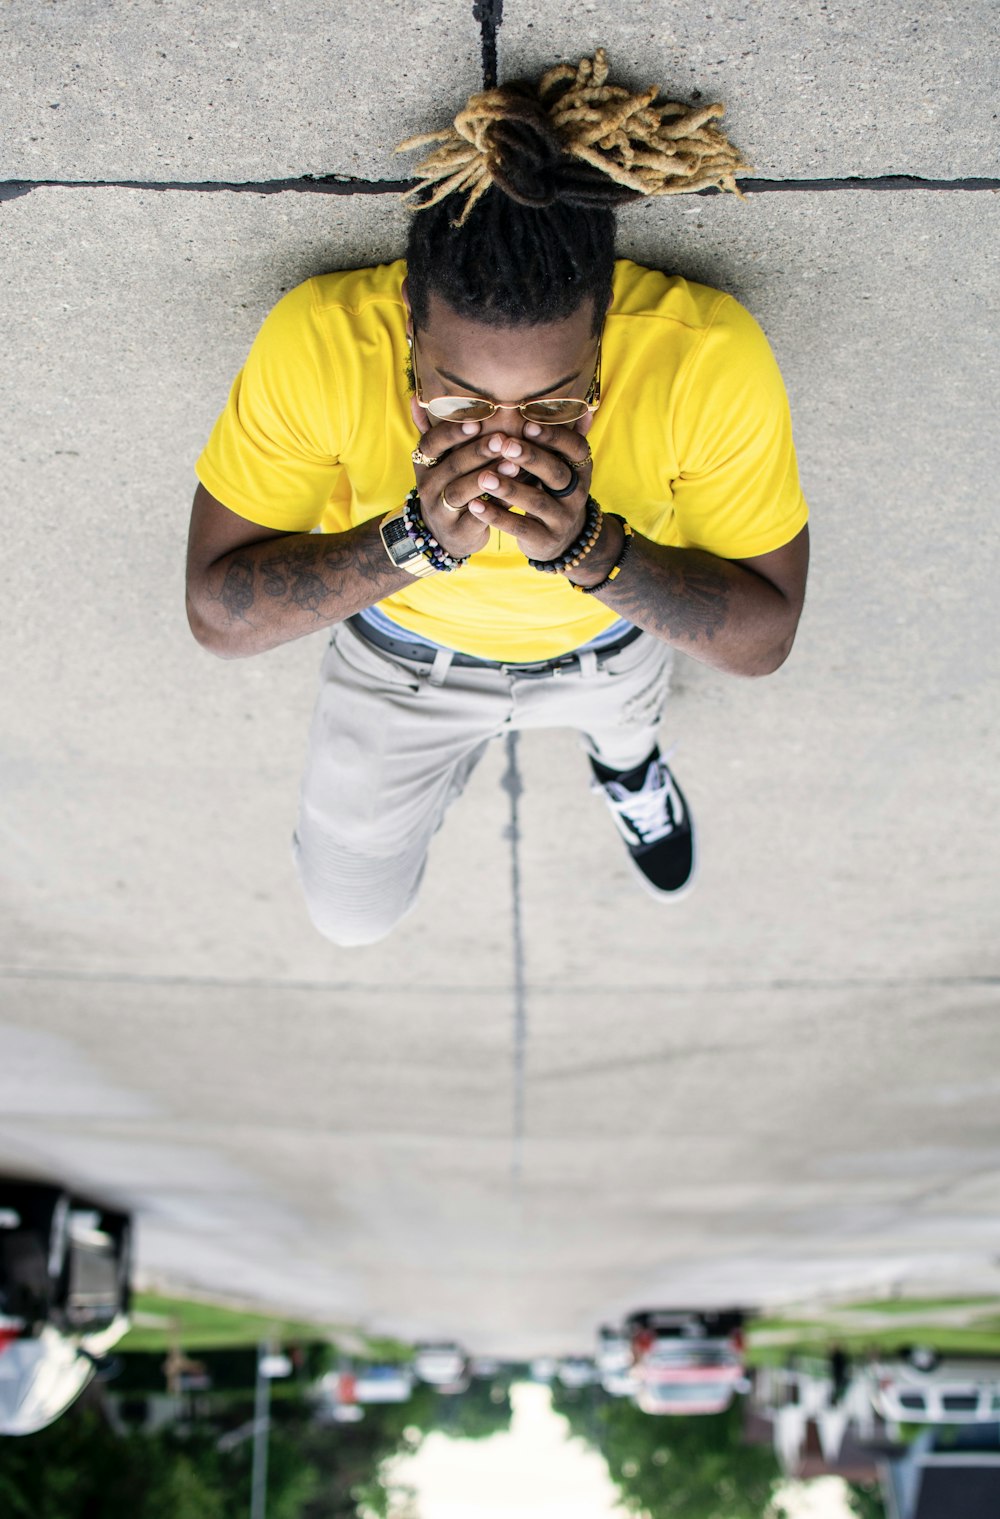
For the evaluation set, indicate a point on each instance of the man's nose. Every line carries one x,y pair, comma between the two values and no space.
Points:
510,423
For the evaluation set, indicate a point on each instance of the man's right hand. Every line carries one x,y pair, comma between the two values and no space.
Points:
472,464
462,455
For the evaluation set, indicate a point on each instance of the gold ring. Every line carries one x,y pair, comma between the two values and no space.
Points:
447,504
427,460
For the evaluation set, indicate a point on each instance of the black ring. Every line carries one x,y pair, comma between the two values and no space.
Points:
567,490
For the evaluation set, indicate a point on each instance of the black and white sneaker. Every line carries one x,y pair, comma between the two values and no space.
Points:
652,817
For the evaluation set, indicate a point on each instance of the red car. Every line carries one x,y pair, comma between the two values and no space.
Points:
687,1362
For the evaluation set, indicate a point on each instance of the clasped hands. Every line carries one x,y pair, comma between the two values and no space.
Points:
471,463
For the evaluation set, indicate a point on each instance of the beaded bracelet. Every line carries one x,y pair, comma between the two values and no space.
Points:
615,570
579,548
420,534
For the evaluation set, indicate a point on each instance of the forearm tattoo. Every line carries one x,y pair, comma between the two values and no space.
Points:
237,589
292,576
311,572
680,595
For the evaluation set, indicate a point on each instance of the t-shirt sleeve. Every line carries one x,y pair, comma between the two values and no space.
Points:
272,456
738,492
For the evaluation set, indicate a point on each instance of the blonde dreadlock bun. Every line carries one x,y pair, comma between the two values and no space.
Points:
573,137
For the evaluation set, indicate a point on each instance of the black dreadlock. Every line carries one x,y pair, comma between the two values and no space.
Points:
542,167
512,265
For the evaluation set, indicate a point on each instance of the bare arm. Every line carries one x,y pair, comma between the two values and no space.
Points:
738,615
250,588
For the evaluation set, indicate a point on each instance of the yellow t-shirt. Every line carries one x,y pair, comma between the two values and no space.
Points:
692,443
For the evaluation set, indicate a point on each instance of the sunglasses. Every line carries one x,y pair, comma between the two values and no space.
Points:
549,411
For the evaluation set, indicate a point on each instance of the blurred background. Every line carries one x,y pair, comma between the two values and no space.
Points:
596,1152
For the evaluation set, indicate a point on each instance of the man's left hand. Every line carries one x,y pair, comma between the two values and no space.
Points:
543,525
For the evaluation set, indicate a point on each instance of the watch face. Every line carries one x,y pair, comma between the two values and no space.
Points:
397,541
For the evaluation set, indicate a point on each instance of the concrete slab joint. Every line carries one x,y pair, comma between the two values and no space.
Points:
78,78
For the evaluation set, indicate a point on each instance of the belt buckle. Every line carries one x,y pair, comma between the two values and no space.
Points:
568,664
549,667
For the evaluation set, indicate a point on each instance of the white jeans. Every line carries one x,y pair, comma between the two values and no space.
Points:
390,748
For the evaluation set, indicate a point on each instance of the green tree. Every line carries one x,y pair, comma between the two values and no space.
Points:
482,1411
675,1467
80,1469
866,1500
179,1488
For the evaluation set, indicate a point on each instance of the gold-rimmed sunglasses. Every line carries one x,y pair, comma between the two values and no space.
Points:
549,411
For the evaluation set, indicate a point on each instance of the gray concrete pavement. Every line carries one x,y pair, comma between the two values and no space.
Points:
786,1084
350,1153
831,89
186,91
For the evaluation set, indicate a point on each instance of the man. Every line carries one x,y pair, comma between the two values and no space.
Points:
539,472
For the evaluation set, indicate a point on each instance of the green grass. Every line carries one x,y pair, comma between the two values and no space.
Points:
773,1325
380,1348
210,1326
816,1335
205,1326
813,1338
920,1305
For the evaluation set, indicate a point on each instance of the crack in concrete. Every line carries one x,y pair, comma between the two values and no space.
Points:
859,182
333,184
489,14
307,184
512,783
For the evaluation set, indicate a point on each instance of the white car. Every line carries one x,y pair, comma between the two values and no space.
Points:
614,1350
577,1371
384,1383
485,1367
687,1362
42,1374
619,1384
65,1292
442,1364
343,1394
952,1391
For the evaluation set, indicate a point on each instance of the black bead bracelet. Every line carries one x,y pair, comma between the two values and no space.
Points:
615,570
579,548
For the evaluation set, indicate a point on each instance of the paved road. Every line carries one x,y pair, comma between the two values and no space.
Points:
551,1100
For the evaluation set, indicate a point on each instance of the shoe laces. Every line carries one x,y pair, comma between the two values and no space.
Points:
651,813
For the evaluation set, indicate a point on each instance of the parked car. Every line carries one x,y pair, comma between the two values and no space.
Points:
383,1383
614,1350
954,1390
619,1384
686,1362
577,1371
442,1364
65,1294
336,1396
485,1367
